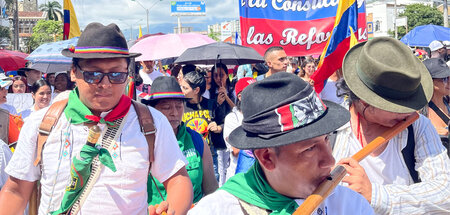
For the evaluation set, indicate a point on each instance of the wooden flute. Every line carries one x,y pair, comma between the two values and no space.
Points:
337,174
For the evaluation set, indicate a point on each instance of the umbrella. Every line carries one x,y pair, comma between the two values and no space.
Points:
12,60
51,67
423,35
168,45
226,53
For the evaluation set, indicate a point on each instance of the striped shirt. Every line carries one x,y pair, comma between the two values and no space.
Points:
393,190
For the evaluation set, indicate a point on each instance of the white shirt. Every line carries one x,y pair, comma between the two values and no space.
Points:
11,109
5,156
148,78
26,113
232,121
342,201
393,190
120,192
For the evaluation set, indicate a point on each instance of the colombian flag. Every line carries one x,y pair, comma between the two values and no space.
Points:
71,28
341,40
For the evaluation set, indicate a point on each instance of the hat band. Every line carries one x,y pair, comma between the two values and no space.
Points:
165,95
299,113
100,49
381,90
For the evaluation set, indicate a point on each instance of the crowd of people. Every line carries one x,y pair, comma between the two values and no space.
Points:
226,139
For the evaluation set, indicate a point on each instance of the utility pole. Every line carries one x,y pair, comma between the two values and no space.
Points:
445,7
395,19
147,11
16,25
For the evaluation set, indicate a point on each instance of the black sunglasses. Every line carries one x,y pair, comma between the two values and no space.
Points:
97,77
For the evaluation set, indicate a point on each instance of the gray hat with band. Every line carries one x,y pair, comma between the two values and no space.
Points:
384,73
437,68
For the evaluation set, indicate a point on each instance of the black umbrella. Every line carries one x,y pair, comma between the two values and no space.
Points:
226,53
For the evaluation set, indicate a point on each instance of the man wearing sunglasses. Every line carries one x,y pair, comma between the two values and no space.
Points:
100,66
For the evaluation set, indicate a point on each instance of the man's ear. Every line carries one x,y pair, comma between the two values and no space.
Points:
72,74
266,157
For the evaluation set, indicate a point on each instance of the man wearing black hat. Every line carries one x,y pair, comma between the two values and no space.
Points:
292,151
118,180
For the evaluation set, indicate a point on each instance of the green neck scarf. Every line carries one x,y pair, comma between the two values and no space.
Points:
253,188
183,137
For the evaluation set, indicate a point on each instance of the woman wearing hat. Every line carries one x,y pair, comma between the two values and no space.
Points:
383,91
167,97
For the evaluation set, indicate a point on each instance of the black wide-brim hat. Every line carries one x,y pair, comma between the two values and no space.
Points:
164,87
99,41
385,73
283,109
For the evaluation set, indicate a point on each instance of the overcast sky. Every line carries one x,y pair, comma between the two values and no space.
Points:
126,13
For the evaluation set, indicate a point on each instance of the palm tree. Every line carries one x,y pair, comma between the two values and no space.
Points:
52,8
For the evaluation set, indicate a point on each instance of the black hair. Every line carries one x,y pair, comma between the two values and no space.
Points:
214,86
38,84
196,79
344,91
272,49
188,68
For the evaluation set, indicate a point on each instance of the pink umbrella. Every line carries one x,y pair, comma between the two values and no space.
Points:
168,45
12,60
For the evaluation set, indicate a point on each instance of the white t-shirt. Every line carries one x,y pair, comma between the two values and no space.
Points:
26,113
5,156
148,78
341,201
393,190
11,109
232,121
120,192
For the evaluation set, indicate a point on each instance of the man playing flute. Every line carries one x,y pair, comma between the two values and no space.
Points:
384,83
100,70
288,133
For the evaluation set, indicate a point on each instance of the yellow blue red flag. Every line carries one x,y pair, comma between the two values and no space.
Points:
341,40
140,32
71,27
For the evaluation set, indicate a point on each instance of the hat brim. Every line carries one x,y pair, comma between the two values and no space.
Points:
68,53
413,103
335,117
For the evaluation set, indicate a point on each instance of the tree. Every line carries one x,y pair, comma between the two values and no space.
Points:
5,32
53,8
45,31
419,14
214,35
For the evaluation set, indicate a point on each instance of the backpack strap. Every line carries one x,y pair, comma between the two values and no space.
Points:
438,111
48,122
147,128
408,155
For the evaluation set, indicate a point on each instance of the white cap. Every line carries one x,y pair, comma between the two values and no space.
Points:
447,44
5,81
435,45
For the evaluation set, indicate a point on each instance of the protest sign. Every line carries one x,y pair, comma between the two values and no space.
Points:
301,27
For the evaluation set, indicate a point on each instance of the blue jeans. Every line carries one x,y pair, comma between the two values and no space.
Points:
214,157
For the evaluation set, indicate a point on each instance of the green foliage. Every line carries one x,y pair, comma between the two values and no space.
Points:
419,14
52,8
214,35
45,31
5,32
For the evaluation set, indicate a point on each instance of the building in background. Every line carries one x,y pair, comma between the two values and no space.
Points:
226,30
381,14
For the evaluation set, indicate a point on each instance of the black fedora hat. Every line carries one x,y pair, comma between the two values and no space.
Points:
385,73
283,109
164,87
99,41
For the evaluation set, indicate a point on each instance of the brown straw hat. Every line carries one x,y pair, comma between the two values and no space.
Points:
384,73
